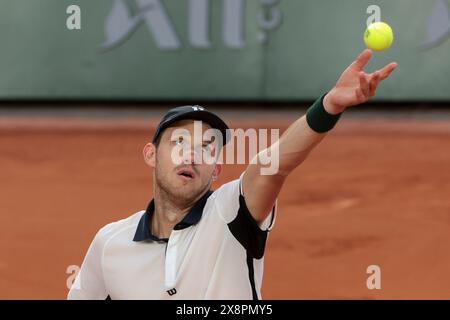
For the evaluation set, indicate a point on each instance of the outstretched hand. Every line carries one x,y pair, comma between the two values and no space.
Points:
355,86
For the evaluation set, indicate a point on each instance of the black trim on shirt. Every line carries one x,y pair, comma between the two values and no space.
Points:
143,230
247,231
251,276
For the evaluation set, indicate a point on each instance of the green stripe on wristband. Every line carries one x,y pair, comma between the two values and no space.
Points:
319,119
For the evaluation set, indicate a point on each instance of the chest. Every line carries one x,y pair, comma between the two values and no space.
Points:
152,270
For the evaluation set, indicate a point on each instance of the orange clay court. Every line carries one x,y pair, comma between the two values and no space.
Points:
375,192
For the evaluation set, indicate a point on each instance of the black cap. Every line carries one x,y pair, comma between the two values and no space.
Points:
192,113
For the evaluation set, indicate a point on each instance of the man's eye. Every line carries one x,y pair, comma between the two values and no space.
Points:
179,141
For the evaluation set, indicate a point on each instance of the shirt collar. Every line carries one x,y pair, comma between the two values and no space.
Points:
143,230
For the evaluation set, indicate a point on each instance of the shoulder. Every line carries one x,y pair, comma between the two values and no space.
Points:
226,199
231,205
115,228
227,190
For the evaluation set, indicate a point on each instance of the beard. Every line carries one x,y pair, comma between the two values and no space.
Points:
184,195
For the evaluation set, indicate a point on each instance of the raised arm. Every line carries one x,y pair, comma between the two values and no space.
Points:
354,87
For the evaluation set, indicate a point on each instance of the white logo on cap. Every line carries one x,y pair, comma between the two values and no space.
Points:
197,108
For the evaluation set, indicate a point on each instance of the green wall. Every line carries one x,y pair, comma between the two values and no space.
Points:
303,56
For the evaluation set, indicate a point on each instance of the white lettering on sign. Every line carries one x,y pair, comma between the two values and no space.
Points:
122,22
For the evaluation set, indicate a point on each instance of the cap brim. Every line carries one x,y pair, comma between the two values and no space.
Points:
203,115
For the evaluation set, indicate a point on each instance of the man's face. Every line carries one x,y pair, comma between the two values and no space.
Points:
182,167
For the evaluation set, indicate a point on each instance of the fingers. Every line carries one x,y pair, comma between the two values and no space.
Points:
373,84
360,97
364,84
368,84
362,59
379,76
387,70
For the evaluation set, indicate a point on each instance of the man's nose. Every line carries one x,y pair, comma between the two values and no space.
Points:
193,155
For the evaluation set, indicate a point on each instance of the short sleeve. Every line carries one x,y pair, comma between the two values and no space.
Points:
227,200
89,283
231,205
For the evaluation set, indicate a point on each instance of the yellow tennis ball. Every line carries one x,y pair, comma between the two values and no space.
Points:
378,36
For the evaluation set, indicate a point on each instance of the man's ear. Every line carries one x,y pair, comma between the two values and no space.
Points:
216,172
149,153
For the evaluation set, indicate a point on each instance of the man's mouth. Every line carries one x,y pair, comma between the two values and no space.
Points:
186,173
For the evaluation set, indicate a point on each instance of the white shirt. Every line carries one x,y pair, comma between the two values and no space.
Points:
216,252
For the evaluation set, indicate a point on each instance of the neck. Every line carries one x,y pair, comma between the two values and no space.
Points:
168,212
